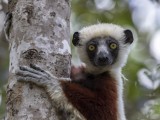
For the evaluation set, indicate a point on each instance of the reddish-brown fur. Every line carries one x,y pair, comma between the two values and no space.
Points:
95,97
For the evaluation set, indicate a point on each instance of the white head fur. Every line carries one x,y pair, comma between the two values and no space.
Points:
104,30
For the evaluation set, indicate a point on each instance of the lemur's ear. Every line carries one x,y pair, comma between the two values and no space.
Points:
128,36
76,39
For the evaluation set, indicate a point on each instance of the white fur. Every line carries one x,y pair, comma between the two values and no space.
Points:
101,30
116,73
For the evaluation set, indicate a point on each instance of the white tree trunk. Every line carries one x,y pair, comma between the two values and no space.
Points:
39,35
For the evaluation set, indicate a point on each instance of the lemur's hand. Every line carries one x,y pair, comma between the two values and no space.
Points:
36,75
77,73
33,74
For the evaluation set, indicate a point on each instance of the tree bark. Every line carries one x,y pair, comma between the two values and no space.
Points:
39,35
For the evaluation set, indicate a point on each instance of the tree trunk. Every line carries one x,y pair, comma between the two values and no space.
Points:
39,35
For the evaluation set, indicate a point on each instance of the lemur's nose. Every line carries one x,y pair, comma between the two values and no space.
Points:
103,59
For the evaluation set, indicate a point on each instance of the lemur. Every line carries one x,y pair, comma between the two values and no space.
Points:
94,91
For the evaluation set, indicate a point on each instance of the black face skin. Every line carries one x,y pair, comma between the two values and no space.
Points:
103,54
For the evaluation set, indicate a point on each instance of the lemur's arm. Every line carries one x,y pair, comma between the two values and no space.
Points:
41,78
36,75
56,87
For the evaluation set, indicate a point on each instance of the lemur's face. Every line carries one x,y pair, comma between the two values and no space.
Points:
103,47
102,51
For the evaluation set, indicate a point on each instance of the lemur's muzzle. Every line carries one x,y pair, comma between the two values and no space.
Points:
103,59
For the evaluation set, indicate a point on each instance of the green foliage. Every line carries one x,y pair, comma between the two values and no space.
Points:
87,14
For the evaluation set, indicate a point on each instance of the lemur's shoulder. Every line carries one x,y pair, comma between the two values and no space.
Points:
89,80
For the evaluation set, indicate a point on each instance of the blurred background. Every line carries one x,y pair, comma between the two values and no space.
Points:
142,87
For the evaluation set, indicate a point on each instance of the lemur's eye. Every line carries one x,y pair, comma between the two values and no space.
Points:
91,47
113,46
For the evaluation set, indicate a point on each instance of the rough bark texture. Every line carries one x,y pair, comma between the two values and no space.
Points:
39,35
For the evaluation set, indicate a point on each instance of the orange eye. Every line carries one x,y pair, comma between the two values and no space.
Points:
113,46
91,47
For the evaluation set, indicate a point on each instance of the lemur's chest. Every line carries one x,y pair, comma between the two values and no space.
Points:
94,98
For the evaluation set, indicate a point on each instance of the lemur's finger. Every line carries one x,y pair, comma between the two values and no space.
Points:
38,69
39,82
27,74
25,68
26,79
